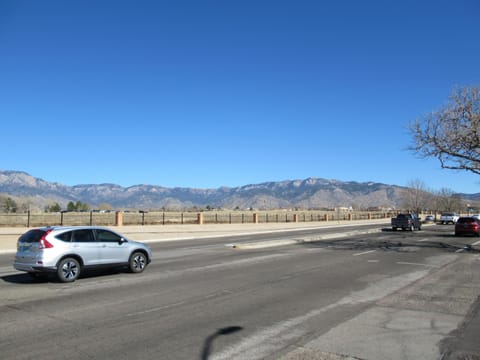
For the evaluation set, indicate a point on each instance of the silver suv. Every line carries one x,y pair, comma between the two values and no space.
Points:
67,250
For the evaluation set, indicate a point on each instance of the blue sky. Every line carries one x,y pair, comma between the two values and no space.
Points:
227,93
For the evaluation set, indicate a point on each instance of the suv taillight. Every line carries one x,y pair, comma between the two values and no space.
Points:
44,243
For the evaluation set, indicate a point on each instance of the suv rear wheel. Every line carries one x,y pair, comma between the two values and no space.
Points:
68,270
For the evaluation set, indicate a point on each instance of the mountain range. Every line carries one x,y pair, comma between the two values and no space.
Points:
311,193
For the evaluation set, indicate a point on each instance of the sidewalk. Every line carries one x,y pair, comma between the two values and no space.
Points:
155,233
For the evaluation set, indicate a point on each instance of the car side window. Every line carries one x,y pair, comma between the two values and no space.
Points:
82,236
66,236
107,236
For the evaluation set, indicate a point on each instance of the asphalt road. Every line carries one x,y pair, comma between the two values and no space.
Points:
371,295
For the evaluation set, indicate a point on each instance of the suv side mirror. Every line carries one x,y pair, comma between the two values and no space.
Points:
121,241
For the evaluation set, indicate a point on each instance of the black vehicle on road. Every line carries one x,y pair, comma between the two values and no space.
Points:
406,222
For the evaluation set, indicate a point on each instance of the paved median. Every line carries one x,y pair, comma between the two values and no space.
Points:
337,235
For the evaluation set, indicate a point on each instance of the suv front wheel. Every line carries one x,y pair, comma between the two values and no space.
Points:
68,270
137,262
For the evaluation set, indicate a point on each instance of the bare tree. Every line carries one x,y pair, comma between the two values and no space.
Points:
447,200
451,134
416,196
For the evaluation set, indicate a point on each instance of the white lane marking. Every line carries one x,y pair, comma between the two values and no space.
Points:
365,252
218,293
425,239
373,261
160,308
416,264
476,243
459,250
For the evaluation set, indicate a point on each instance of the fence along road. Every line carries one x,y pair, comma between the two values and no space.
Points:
118,218
153,233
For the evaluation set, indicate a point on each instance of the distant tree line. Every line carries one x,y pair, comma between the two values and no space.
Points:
75,206
8,205
71,206
418,198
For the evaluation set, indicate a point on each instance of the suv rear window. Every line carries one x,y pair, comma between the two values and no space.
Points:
466,220
32,236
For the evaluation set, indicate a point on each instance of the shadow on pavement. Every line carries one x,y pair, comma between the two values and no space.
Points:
26,279
208,343
23,278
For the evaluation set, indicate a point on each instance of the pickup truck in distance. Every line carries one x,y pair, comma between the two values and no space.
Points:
447,218
406,222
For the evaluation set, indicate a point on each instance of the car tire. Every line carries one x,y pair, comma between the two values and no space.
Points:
137,262
68,270
394,228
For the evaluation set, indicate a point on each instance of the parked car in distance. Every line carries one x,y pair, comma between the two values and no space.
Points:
429,219
467,225
476,216
406,222
448,218
67,251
